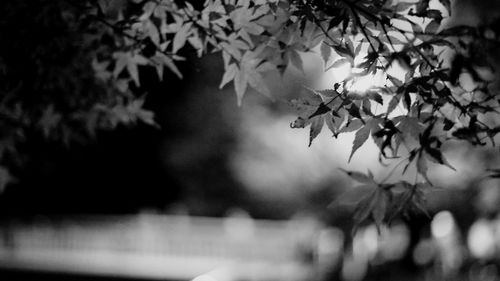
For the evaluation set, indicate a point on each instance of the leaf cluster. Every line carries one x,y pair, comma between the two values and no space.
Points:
410,117
382,202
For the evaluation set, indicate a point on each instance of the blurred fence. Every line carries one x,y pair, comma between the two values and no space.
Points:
168,247
239,248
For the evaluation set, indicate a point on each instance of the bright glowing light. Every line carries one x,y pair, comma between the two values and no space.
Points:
263,161
481,239
442,225
334,75
467,82
370,238
330,247
204,277
359,247
239,225
364,83
365,243
330,241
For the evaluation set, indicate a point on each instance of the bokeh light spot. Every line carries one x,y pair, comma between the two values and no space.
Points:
442,224
481,239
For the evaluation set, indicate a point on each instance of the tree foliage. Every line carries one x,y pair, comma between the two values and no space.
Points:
411,116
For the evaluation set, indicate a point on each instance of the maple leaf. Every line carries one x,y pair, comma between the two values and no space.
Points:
362,135
181,37
317,112
229,74
352,196
130,61
249,72
357,195
352,125
360,177
316,123
408,126
369,65
374,204
160,60
338,63
385,137
316,127
436,156
243,19
407,197
375,97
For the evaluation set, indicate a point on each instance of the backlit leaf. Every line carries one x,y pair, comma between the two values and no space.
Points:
257,82
337,63
352,126
240,85
330,123
359,177
229,75
316,126
359,139
180,37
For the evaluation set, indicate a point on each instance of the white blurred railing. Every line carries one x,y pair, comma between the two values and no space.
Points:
163,247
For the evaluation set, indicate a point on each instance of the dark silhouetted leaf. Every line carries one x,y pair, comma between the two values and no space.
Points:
322,109
375,97
448,124
437,156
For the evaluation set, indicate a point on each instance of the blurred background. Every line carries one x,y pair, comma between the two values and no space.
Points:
222,193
